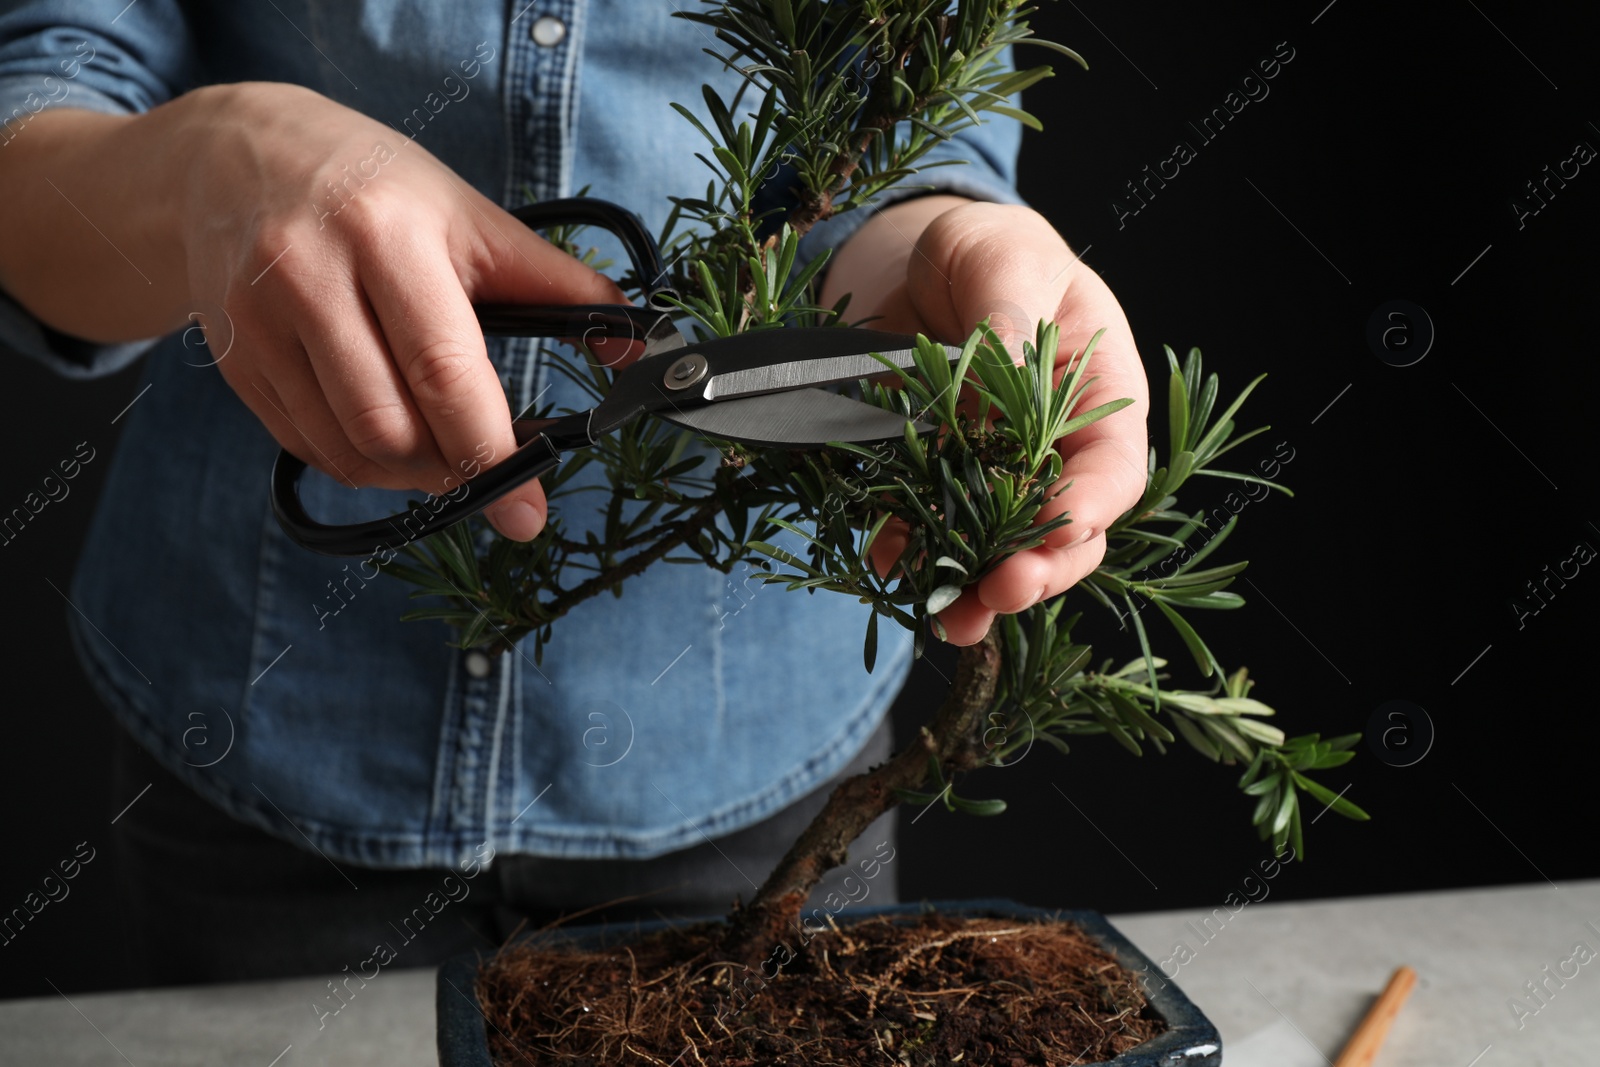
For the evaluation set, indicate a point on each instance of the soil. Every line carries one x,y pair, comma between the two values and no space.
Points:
934,989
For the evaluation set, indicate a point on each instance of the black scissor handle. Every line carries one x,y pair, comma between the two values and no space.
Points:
393,533
574,321
617,220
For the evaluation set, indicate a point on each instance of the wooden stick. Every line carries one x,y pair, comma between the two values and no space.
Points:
1368,1038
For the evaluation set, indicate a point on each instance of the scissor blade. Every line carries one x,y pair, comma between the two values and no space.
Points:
799,418
776,361
824,371
794,357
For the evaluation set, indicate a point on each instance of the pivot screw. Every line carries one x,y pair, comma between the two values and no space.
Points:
686,372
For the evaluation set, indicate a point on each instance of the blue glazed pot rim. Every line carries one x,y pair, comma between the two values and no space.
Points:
1190,1040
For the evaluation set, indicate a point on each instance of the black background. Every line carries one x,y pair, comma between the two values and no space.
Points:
1382,166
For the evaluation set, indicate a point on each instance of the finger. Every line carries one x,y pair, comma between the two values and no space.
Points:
520,514
964,622
507,262
289,402
999,262
365,390
433,337
606,348
886,549
1036,574
549,266
1106,463
511,264
1099,481
1070,566
267,406
1017,581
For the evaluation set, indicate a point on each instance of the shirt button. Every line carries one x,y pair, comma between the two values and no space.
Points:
547,31
478,663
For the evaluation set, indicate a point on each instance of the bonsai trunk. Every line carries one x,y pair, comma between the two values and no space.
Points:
953,739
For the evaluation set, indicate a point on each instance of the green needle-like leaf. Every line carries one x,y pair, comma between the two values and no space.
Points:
1328,797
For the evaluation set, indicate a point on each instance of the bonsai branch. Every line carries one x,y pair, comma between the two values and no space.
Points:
879,116
680,533
537,614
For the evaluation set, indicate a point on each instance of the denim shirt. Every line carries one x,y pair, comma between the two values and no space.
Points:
280,684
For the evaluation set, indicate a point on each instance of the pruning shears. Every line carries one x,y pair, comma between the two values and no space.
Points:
761,388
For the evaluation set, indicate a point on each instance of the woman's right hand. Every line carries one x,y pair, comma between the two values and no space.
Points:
332,262
348,259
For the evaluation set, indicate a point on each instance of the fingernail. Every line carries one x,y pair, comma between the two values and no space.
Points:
1086,536
518,520
938,628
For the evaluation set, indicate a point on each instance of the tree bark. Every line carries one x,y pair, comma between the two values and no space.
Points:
879,116
954,738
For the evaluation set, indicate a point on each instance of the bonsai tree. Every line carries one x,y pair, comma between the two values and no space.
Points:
852,97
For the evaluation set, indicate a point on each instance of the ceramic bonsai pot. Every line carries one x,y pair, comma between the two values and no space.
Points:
1190,1039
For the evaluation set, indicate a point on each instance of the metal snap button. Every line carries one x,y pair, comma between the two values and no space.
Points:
478,663
547,31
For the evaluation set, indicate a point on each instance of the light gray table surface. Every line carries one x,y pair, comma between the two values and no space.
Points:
1285,983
